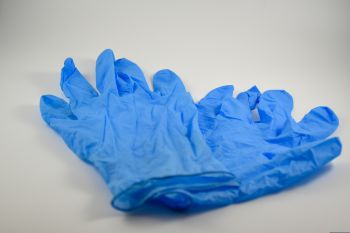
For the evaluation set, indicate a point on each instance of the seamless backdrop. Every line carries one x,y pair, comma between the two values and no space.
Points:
300,46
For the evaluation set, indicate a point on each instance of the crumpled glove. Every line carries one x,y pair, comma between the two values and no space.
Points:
144,143
267,154
271,151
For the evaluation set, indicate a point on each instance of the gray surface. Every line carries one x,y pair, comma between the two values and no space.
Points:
301,46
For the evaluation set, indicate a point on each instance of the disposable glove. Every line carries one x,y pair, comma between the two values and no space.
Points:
144,143
267,154
271,151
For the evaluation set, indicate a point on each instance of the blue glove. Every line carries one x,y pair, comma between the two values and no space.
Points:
267,154
144,144
272,152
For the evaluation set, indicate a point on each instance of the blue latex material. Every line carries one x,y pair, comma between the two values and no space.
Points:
145,144
267,154
256,138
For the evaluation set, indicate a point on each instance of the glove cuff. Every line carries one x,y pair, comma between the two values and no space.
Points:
141,192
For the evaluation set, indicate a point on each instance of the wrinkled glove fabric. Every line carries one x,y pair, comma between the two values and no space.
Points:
158,146
257,139
144,144
268,151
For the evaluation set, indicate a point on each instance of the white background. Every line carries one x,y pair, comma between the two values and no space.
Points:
300,46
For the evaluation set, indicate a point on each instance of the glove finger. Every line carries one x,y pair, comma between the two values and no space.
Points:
318,124
125,84
250,97
56,113
105,72
52,107
132,70
286,169
274,110
221,101
234,109
210,105
274,103
73,84
166,82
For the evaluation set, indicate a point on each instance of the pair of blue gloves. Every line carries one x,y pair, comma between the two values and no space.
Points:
159,147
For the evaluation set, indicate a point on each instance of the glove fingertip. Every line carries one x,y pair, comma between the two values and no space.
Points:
327,115
254,89
279,97
125,67
166,82
327,151
52,107
107,54
67,70
250,97
105,72
220,92
69,62
275,106
44,108
337,145
212,102
319,123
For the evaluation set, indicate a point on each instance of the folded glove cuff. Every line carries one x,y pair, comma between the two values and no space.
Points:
139,193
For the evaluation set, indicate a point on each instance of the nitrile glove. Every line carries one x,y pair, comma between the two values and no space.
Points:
144,143
267,154
272,152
